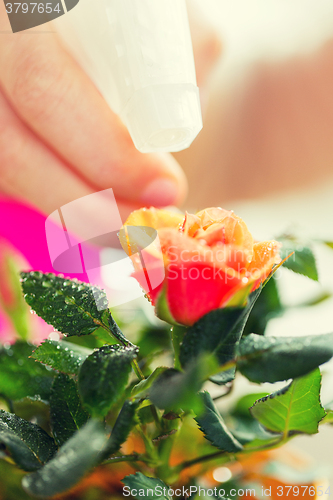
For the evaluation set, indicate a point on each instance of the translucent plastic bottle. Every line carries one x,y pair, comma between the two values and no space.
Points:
139,54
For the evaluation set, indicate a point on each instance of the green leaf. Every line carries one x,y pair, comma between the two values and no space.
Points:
245,427
62,356
162,307
147,487
143,386
154,339
214,428
317,299
242,406
302,261
328,418
250,431
329,244
294,409
71,307
145,415
21,376
67,414
270,359
79,454
267,307
122,427
174,389
218,333
34,410
11,299
104,376
28,445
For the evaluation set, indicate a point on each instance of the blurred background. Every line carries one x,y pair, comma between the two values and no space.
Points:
269,116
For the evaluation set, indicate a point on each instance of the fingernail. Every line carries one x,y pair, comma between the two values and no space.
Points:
160,192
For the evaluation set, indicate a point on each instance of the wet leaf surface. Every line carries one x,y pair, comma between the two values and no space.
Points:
27,444
71,307
80,454
104,376
62,356
271,359
67,414
21,376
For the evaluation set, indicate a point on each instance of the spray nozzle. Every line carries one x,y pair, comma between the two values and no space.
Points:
139,55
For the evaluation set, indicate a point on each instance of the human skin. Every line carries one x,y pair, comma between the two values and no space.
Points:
59,140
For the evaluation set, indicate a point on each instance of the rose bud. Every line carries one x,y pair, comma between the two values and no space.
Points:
198,262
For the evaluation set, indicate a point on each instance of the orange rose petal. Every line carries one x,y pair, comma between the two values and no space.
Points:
237,233
211,215
191,224
209,259
214,234
152,217
265,255
196,284
134,239
231,231
184,251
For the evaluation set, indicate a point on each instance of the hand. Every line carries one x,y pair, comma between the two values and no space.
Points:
59,140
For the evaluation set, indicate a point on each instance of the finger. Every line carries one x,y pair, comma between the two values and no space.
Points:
57,100
30,171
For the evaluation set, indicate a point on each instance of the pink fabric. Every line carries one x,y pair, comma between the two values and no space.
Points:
24,227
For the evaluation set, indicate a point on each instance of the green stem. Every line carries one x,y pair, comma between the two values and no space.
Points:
199,460
165,471
117,333
276,443
212,456
114,330
137,370
177,336
151,451
134,457
141,376
155,416
229,388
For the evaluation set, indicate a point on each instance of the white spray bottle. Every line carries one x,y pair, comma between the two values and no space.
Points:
139,55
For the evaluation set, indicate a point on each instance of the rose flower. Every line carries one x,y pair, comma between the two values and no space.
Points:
201,262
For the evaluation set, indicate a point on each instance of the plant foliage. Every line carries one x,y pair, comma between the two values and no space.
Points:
96,399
